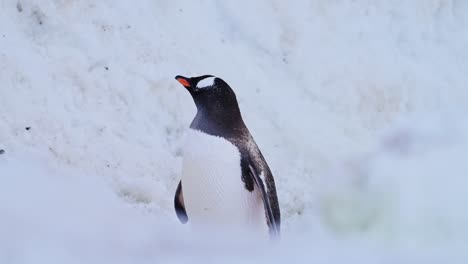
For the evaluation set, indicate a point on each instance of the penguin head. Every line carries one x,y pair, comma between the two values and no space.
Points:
211,94
195,84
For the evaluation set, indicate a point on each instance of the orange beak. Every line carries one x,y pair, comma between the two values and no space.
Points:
182,80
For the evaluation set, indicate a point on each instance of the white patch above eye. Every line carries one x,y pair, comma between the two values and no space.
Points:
207,82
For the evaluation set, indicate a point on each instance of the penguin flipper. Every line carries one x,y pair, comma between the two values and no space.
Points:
273,223
179,204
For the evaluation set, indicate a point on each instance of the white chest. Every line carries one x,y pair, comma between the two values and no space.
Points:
211,182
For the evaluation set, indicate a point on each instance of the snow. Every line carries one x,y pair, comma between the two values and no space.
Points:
358,107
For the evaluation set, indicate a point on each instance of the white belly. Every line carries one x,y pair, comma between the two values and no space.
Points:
214,193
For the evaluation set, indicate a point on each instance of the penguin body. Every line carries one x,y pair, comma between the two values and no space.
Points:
226,181
214,193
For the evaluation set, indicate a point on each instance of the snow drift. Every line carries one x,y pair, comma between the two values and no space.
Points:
358,107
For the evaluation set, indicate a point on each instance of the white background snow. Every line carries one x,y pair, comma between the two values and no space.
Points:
358,106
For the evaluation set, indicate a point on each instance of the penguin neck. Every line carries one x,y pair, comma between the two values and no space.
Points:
225,123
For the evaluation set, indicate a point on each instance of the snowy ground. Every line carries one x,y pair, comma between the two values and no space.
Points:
358,106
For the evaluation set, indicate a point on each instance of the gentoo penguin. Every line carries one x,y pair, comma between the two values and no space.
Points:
225,178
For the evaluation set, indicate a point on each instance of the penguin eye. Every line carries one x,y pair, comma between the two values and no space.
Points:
206,83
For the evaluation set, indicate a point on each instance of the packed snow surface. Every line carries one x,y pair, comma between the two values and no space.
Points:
358,106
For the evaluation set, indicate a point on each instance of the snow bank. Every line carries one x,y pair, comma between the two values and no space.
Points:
318,82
